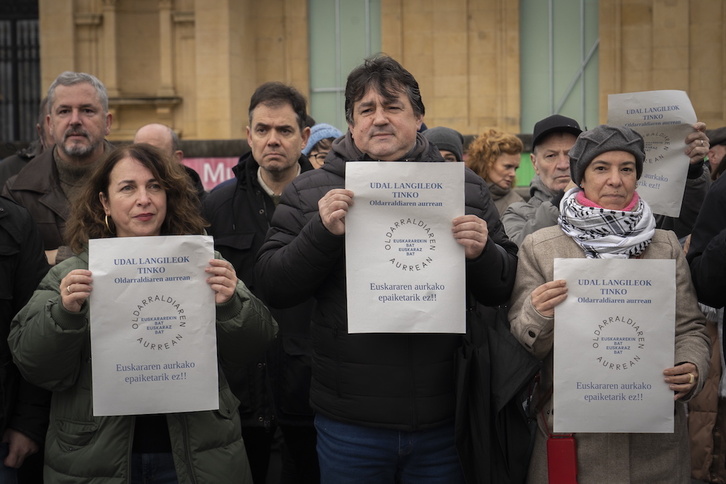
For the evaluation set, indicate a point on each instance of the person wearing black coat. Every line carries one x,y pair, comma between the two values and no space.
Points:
707,249
384,403
274,391
25,407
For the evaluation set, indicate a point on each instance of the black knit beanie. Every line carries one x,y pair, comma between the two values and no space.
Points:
600,140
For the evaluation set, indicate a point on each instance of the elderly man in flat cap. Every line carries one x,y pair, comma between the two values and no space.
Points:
552,139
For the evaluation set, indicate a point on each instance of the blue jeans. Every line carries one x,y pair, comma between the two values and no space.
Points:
8,475
353,454
153,469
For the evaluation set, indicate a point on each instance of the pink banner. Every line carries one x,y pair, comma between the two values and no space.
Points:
213,171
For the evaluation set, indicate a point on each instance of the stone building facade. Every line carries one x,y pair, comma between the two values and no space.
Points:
193,64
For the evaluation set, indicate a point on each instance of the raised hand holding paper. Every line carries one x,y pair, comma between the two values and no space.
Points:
152,318
405,271
614,336
663,119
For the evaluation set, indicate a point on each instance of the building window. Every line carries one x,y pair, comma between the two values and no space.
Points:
342,34
19,70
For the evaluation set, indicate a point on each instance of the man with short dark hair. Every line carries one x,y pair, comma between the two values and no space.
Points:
78,121
239,212
384,402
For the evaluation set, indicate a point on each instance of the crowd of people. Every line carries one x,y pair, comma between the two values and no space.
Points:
340,407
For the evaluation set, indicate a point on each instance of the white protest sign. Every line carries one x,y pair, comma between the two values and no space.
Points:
405,272
663,119
614,336
152,317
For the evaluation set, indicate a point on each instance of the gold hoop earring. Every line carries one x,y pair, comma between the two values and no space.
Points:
108,227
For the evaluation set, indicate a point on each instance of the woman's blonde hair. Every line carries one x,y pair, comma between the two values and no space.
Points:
485,149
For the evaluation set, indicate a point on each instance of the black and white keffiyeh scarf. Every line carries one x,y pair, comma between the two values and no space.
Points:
604,233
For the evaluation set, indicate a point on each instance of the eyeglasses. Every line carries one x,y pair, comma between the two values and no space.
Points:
319,157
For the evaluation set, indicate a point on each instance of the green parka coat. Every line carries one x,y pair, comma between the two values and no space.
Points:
51,347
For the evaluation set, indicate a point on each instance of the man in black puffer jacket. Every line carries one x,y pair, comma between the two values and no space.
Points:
25,407
274,390
384,402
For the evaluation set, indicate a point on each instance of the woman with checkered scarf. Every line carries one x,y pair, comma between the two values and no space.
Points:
602,216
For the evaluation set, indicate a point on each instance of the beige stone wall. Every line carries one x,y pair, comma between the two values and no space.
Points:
465,56
193,64
665,44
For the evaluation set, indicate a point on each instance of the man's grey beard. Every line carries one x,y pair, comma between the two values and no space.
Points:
78,151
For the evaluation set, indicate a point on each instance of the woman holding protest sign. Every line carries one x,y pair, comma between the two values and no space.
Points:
601,217
137,191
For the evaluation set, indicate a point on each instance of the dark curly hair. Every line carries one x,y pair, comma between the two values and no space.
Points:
87,219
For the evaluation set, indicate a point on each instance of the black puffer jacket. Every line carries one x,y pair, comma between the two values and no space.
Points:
396,381
24,407
239,212
707,251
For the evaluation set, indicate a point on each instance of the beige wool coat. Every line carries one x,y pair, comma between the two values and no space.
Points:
612,458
